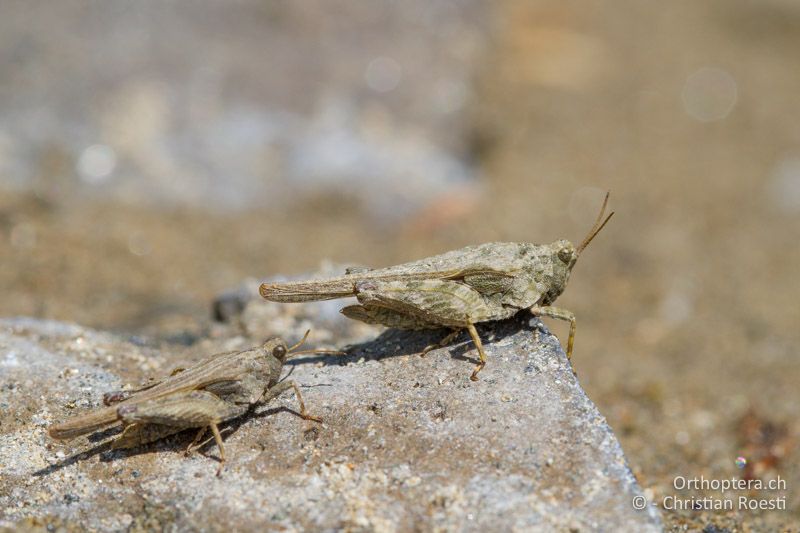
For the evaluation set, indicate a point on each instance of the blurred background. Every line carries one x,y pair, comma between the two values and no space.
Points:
154,155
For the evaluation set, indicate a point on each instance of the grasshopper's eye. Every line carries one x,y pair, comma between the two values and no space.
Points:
566,254
279,352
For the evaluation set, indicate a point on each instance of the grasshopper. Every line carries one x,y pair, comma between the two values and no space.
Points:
219,388
457,289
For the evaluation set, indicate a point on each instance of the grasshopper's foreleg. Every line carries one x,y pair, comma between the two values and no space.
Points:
277,390
560,314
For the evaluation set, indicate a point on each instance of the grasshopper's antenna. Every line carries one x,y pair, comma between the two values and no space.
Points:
299,344
320,350
598,225
293,348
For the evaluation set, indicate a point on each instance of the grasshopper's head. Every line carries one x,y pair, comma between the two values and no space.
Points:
278,349
269,358
565,255
554,269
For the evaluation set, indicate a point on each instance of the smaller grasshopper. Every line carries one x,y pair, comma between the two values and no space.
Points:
219,388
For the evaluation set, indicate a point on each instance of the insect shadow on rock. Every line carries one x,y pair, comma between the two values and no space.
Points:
219,388
398,342
456,290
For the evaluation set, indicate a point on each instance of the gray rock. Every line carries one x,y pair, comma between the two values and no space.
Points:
408,443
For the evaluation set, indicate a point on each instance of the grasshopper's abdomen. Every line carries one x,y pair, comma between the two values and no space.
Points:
84,424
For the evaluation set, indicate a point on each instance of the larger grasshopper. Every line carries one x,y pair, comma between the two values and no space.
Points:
457,289
219,388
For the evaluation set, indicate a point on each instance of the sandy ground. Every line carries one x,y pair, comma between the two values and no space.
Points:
686,303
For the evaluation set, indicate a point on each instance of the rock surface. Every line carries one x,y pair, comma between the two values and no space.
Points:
408,443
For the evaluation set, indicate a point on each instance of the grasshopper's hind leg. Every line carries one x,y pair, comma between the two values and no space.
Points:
386,316
559,314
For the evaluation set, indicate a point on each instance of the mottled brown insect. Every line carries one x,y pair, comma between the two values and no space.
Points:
457,289
219,388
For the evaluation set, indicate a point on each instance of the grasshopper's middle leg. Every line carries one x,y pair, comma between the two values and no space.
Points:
442,343
431,302
479,345
473,333
217,436
182,410
377,314
560,314
193,445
